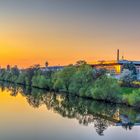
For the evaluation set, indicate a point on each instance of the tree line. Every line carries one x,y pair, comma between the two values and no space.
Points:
80,79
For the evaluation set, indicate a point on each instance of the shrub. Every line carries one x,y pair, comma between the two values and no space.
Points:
127,77
132,99
106,88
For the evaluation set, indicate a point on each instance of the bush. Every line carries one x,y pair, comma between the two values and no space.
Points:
21,78
106,89
40,81
132,99
136,83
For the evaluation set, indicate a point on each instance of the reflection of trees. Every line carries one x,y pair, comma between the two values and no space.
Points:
10,87
34,101
101,125
85,111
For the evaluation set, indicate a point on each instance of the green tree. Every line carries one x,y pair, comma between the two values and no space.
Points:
21,78
106,88
63,78
82,79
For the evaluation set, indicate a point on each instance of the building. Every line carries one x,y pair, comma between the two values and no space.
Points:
115,66
52,68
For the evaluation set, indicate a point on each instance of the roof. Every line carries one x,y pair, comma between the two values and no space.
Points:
127,61
113,62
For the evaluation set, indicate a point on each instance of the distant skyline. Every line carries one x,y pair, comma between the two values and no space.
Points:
64,31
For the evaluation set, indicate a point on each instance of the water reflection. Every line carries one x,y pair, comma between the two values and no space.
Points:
85,111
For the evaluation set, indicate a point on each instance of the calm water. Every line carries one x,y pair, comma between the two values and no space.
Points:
38,115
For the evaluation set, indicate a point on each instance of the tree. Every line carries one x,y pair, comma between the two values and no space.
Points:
21,78
46,64
2,74
105,88
14,74
81,62
63,78
127,77
29,75
81,79
131,67
101,125
8,68
97,73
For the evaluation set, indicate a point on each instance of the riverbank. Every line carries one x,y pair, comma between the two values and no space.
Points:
80,80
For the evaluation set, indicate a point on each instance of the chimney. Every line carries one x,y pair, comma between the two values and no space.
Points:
118,55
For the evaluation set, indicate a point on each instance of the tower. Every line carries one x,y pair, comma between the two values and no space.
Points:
118,54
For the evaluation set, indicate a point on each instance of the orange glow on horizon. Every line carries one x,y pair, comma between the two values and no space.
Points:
65,32
27,52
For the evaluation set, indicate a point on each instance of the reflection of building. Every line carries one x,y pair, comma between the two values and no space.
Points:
115,65
127,125
116,115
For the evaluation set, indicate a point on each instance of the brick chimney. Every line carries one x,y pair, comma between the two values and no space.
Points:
118,54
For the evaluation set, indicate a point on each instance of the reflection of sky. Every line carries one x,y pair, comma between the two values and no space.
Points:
18,120
63,31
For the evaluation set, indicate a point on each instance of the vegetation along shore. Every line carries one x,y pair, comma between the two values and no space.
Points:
81,80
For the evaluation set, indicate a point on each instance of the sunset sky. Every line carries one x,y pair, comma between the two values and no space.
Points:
64,31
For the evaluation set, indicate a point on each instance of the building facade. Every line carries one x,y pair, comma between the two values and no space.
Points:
115,66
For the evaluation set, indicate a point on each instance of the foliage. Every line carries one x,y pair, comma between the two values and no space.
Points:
132,68
21,78
39,81
127,77
132,99
80,79
136,84
106,89
63,78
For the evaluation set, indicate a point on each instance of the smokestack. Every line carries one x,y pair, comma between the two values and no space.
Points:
118,55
